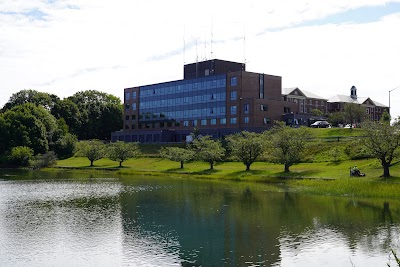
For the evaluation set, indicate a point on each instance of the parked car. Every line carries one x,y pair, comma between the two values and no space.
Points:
320,124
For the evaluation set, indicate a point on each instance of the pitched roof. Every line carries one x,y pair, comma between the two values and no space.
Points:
288,91
348,99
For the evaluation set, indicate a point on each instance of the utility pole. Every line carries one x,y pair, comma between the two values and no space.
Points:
389,95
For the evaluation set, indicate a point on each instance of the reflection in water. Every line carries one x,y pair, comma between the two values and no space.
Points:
59,221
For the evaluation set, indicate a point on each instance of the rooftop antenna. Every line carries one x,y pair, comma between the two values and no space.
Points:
212,36
244,43
184,44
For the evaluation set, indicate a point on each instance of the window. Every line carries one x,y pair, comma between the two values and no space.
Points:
133,117
261,85
126,118
133,106
213,121
203,122
233,120
264,107
133,95
267,121
126,106
185,123
367,110
246,119
127,95
233,81
177,123
246,108
194,123
233,95
233,110
316,103
222,121
126,127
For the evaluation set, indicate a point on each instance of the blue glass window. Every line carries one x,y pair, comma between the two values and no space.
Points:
203,122
246,119
127,95
233,95
213,121
133,106
222,121
233,81
233,120
233,110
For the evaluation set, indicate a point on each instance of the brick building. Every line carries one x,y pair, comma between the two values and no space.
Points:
217,97
373,109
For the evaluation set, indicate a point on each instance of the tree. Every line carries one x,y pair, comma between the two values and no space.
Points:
44,100
121,151
208,150
92,149
21,128
178,154
101,114
71,114
21,155
316,112
382,140
336,118
353,113
246,146
287,144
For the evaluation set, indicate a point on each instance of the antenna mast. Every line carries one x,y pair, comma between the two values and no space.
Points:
212,36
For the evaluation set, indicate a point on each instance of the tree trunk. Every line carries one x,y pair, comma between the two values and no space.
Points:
287,167
247,167
211,165
386,172
181,164
91,163
120,164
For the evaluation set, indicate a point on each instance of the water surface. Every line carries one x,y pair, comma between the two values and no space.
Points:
70,219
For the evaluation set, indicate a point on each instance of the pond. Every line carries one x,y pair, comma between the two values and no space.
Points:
72,219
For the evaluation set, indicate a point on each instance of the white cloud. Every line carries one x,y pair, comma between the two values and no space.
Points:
110,45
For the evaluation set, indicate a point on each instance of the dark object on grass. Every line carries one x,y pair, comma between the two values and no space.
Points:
356,172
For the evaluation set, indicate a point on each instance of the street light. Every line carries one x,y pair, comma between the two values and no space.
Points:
389,95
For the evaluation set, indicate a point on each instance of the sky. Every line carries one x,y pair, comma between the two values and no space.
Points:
324,47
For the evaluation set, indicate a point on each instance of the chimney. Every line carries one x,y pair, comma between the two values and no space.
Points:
353,92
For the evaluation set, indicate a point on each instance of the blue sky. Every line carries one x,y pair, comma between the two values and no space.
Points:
325,47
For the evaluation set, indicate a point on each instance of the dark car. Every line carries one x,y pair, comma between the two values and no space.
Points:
320,124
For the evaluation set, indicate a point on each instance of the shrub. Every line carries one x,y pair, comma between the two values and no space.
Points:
21,155
44,160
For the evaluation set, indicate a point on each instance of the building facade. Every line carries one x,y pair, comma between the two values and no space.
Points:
216,97
373,109
306,102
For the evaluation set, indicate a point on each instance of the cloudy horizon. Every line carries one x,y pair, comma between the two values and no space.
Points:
65,46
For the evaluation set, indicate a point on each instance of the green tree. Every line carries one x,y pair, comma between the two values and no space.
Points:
121,151
353,113
21,155
208,150
65,146
246,146
336,118
382,141
69,111
44,100
178,154
101,114
92,149
316,112
287,144
21,128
